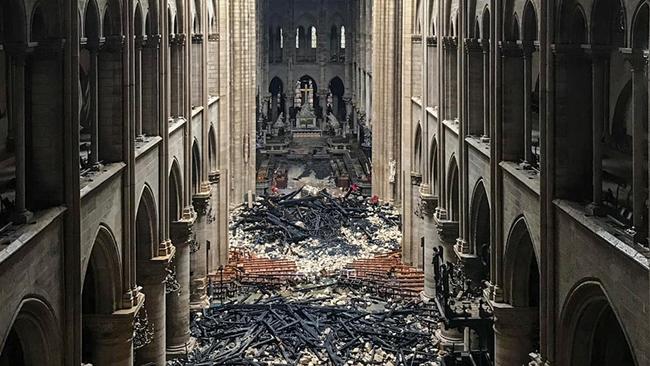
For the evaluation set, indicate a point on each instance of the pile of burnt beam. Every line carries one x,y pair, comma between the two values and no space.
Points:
292,218
274,330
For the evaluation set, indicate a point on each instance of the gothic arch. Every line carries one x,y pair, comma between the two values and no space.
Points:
14,21
606,26
146,226
92,23
479,224
433,165
453,187
196,167
573,24
521,266
38,24
34,338
418,148
138,21
530,25
485,24
102,278
212,149
175,191
591,329
639,35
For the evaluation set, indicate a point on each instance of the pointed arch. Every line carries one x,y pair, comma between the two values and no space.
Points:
530,25
138,21
480,223
34,337
175,191
102,277
146,226
485,24
521,266
433,165
418,150
640,27
196,167
591,329
38,24
608,23
212,149
453,187
14,21
91,21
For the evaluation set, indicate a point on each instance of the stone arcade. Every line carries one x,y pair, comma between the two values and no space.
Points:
511,135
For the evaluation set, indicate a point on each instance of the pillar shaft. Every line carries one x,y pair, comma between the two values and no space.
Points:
514,334
486,91
528,109
18,89
151,277
94,110
639,141
598,118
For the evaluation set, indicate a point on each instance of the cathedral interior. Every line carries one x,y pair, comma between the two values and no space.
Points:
228,182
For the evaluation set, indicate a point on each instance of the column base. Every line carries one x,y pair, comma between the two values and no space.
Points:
181,350
450,339
23,217
594,209
485,139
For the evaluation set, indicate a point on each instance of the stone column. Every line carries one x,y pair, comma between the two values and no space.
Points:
18,89
598,63
178,303
486,90
151,276
198,253
514,330
639,144
428,204
111,336
527,56
139,44
93,77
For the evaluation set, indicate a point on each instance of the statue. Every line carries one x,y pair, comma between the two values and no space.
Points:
392,171
334,123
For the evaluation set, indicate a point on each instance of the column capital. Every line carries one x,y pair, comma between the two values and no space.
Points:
214,37
510,49
197,38
638,59
472,45
17,50
449,42
485,44
416,38
114,43
597,52
181,231
214,177
153,41
140,42
432,41
427,204
527,48
177,40
567,49
201,200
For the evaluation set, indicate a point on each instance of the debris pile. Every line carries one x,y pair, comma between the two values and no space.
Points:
317,230
321,324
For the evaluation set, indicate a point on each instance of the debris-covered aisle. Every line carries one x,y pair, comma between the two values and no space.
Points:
315,279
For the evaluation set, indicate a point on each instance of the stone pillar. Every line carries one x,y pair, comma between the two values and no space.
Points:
598,63
139,44
178,303
639,141
198,253
18,89
93,77
151,277
528,50
428,204
514,334
111,336
486,90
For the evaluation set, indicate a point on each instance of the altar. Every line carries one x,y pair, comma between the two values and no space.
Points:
306,121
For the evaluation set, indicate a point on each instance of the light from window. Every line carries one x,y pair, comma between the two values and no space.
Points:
281,38
297,37
314,38
342,37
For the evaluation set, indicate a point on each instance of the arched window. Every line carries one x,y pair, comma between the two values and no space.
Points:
342,37
314,38
297,37
281,38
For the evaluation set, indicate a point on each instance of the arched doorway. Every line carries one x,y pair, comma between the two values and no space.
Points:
34,338
100,297
590,333
453,184
150,274
337,107
276,104
480,231
516,327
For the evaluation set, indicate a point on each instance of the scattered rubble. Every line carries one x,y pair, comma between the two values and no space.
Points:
322,233
321,323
